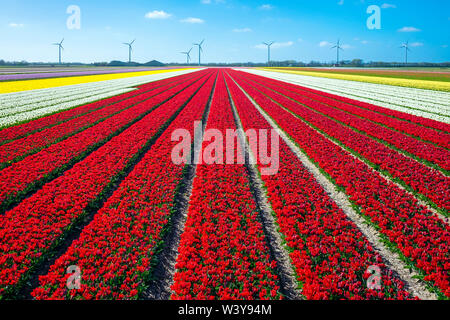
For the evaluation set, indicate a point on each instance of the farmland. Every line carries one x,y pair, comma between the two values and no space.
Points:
358,207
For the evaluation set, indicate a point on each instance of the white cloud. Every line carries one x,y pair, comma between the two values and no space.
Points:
277,45
325,44
346,46
388,6
242,30
157,15
16,25
266,7
416,44
210,1
364,42
408,29
193,20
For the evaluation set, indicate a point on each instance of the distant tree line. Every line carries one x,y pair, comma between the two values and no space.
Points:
355,63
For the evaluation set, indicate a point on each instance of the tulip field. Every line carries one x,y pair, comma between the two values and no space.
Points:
93,205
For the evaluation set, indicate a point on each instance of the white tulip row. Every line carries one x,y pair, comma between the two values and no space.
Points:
24,106
57,101
38,113
392,97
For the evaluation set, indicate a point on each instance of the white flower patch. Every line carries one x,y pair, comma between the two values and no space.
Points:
38,113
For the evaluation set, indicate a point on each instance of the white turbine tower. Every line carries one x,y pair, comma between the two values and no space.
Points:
60,47
200,50
188,56
406,47
268,51
130,48
338,47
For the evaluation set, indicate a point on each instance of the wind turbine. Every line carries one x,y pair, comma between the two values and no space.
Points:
338,47
406,46
200,50
268,51
130,48
188,55
59,47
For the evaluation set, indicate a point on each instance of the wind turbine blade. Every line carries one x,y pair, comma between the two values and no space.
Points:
202,41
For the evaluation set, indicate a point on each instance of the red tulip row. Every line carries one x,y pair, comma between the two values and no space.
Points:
114,252
18,149
415,125
330,255
431,183
22,130
410,228
26,175
344,112
31,230
223,253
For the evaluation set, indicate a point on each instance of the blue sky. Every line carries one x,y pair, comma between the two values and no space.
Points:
233,30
